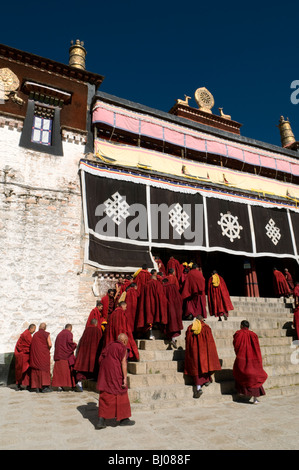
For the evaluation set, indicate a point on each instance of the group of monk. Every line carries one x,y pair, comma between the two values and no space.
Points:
157,299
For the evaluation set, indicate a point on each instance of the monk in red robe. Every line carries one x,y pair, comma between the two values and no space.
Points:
160,265
130,296
152,306
174,324
141,278
39,360
296,321
108,302
117,324
281,287
296,294
248,369
172,278
112,385
176,265
88,352
22,349
64,359
201,357
97,313
193,294
218,297
289,279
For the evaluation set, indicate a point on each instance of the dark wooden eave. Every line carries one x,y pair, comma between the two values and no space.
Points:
50,65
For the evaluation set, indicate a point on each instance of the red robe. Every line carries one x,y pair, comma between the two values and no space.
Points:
172,279
201,355
289,280
108,305
97,315
22,349
281,286
113,400
174,310
194,294
248,368
131,301
64,360
152,306
161,267
118,323
88,352
40,360
218,298
296,321
142,279
176,265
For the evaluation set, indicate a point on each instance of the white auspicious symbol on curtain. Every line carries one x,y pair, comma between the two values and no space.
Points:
117,208
178,219
273,232
230,226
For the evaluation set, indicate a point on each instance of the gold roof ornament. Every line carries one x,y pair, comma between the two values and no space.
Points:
204,99
185,101
77,55
286,134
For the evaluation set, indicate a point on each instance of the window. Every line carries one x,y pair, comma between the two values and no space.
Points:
41,130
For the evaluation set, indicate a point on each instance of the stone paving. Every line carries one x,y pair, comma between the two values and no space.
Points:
66,421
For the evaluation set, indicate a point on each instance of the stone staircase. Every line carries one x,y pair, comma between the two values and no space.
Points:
157,380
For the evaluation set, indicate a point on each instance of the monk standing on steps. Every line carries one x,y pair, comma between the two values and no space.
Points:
193,293
248,368
218,297
281,287
22,348
40,360
112,384
201,357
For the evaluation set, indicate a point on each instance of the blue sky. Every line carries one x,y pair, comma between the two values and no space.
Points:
245,53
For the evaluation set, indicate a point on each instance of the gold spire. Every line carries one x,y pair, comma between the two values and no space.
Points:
77,55
286,134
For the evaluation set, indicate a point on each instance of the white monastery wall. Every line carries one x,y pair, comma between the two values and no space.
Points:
42,275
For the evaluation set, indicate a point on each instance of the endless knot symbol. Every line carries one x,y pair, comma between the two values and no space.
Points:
117,208
230,226
178,219
273,232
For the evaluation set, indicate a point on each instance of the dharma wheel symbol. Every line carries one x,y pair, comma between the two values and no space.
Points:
230,226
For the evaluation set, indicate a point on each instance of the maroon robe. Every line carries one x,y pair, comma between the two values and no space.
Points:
248,368
176,265
218,298
152,305
174,310
108,305
21,352
172,279
88,352
96,314
296,321
40,360
113,401
131,301
117,324
281,286
64,360
193,293
142,279
201,357
289,280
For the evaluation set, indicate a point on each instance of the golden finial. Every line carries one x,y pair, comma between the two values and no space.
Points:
286,134
77,54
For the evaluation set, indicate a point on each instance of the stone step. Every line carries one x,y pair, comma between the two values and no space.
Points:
177,391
